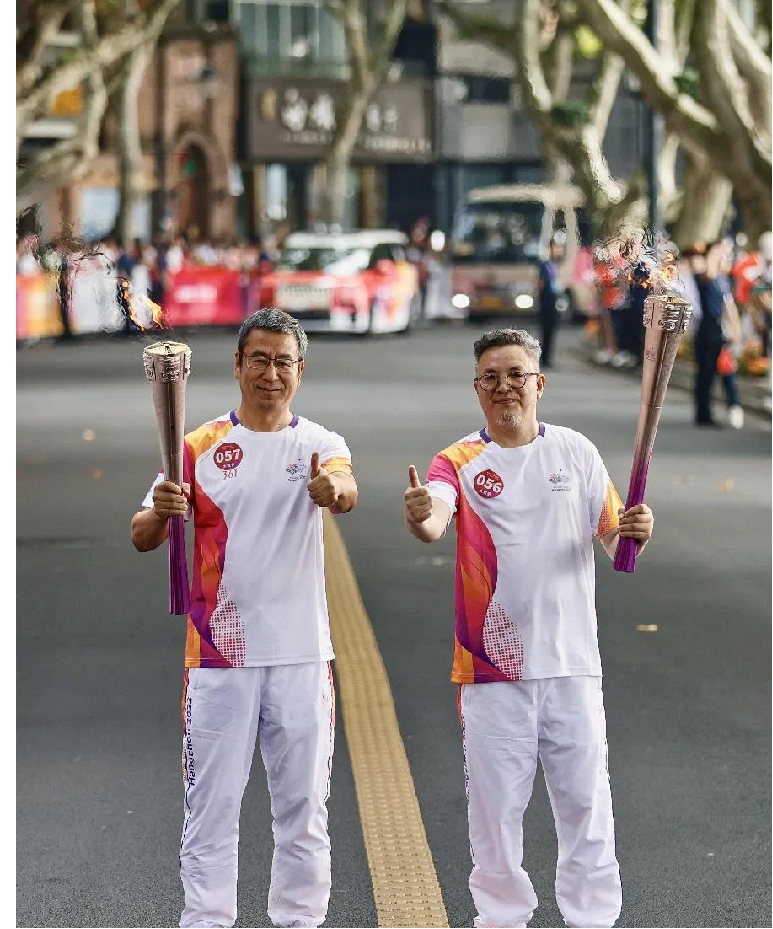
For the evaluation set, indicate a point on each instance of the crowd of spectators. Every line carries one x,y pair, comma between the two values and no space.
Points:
727,282
729,287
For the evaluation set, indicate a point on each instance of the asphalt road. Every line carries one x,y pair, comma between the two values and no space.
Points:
100,662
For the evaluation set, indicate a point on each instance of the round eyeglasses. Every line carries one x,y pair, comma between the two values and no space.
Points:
516,381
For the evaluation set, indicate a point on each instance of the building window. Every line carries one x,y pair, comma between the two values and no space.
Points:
276,192
290,36
216,10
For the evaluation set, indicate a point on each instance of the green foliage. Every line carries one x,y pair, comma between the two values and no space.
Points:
687,82
638,12
587,42
570,113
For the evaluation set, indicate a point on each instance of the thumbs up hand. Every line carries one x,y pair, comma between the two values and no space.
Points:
322,486
418,502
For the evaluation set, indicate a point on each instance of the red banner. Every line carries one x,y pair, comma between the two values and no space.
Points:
206,297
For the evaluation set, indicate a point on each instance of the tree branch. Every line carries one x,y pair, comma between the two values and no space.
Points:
682,28
493,32
108,50
561,72
70,158
620,34
352,18
34,36
667,29
753,64
526,34
604,91
723,88
383,52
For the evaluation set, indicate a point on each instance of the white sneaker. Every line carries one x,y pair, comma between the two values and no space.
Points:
603,357
735,417
622,360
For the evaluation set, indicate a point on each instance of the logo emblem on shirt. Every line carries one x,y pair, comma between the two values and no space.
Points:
296,470
488,484
560,480
228,456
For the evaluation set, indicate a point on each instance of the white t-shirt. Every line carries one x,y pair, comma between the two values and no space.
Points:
525,584
258,581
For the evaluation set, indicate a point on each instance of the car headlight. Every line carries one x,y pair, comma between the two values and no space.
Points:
460,301
524,301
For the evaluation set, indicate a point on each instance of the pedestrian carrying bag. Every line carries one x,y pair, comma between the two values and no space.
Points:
726,363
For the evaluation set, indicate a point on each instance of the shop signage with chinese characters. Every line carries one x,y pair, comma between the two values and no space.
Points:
295,119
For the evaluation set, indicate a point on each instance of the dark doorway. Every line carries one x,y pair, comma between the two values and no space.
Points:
193,193
297,200
410,194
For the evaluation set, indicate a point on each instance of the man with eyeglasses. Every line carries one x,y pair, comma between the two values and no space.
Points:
528,499
258,648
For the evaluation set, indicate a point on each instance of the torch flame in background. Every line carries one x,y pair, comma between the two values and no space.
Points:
130,303
644,258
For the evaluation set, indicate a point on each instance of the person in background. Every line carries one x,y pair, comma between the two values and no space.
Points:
176,255
416,253
583,277
158,283
727,364
265,263
549,292
26,257
611,297
746,269
714,290
761,305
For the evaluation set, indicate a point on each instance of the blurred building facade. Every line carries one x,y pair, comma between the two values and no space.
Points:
188,108
484,133
238,106
295,71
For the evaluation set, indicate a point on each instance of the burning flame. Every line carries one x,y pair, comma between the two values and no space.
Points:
129,303
643,259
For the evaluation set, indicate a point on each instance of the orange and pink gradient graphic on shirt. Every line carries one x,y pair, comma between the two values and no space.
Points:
487,645
215,630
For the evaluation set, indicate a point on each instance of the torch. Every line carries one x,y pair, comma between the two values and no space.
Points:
666,316
167,366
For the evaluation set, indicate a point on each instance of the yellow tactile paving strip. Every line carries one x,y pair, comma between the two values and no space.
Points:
405,885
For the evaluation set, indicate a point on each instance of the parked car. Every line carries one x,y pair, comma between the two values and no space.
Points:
356,282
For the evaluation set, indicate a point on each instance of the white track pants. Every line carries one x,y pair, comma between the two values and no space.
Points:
290,709
506,727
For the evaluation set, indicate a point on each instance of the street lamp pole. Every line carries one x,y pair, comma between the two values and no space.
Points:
655,129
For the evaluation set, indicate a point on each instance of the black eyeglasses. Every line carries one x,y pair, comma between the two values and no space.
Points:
262,363
514,379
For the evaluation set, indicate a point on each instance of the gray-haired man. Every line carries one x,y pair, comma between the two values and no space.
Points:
258,650
528,499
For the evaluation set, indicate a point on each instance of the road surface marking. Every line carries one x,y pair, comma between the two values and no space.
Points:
405,884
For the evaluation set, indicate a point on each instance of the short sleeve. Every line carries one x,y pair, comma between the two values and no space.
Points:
443,481
603,499
147,502
334,454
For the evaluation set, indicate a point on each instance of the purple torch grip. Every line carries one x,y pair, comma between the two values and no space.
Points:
167,366
179,598
666,316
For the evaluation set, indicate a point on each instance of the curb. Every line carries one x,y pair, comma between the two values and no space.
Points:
752,394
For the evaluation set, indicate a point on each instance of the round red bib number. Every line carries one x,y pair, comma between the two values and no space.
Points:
488,484
228,456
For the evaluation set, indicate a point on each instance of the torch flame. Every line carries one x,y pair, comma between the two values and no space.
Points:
648,260
129,304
